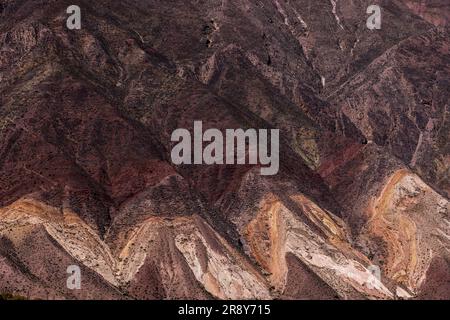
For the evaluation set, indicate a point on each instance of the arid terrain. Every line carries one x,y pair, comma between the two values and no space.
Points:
358,210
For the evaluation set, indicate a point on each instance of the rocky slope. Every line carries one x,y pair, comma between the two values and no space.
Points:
86,118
